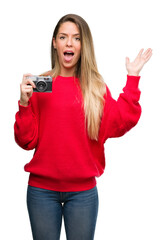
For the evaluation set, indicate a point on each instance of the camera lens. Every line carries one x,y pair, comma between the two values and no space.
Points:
41,86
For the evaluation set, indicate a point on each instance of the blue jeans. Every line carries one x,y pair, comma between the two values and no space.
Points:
46,209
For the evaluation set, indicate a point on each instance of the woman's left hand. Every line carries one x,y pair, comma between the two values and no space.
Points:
135,67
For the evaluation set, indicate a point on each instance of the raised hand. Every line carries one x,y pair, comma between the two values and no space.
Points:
26,89
134,68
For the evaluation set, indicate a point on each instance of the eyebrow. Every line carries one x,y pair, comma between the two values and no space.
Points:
76,34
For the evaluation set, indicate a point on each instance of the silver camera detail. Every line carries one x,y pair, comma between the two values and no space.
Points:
42,83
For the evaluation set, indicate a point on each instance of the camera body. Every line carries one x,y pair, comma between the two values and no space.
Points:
43,83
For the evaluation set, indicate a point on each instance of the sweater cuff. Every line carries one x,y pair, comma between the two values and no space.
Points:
132,81
24,110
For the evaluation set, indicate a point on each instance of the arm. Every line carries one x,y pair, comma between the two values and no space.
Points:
26,123
121,115
26,127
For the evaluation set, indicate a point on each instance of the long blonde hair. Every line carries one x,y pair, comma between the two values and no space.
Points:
91,82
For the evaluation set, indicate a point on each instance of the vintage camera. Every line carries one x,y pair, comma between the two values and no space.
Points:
43,83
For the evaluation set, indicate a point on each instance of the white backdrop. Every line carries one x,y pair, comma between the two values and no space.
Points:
132,190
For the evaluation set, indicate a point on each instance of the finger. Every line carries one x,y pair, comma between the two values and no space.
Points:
25,89
27,75
127,60
29,90
28,81
147,55
140,53
28,87
147,52
25,78
31,83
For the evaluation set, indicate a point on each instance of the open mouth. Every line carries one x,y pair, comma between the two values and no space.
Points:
68,55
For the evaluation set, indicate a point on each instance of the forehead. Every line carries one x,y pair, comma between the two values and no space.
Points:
68,27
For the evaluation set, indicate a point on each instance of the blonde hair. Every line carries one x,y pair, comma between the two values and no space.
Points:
91,82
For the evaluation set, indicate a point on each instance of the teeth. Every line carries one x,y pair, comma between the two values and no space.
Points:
69,53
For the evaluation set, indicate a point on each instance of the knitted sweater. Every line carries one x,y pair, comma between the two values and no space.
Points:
65,159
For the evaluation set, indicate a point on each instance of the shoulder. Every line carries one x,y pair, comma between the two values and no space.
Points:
107,93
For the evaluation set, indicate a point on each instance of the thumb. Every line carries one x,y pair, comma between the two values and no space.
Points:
127,61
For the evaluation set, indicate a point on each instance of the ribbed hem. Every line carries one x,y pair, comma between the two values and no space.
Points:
60,185
132,81
24,110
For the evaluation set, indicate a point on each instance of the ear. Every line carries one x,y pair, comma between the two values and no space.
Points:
54,42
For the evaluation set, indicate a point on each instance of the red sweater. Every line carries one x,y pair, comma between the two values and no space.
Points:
65,159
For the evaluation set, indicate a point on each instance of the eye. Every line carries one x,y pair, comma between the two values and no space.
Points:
77,39
62,37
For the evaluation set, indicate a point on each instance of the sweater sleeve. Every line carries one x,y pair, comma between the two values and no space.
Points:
121,115
26,127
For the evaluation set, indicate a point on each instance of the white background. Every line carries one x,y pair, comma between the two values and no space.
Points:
132,190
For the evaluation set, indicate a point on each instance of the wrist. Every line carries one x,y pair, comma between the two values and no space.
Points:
133,74
24,104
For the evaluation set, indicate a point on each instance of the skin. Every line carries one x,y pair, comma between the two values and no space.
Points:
134,68
68,39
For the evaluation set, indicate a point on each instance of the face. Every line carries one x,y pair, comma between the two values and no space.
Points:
68,46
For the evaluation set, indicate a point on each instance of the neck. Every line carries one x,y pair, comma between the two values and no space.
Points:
67,72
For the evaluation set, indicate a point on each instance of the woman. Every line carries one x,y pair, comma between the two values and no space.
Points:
68,129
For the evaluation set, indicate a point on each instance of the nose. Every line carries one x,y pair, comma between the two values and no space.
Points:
69,41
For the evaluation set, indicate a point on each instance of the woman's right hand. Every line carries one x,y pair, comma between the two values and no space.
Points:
26,89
